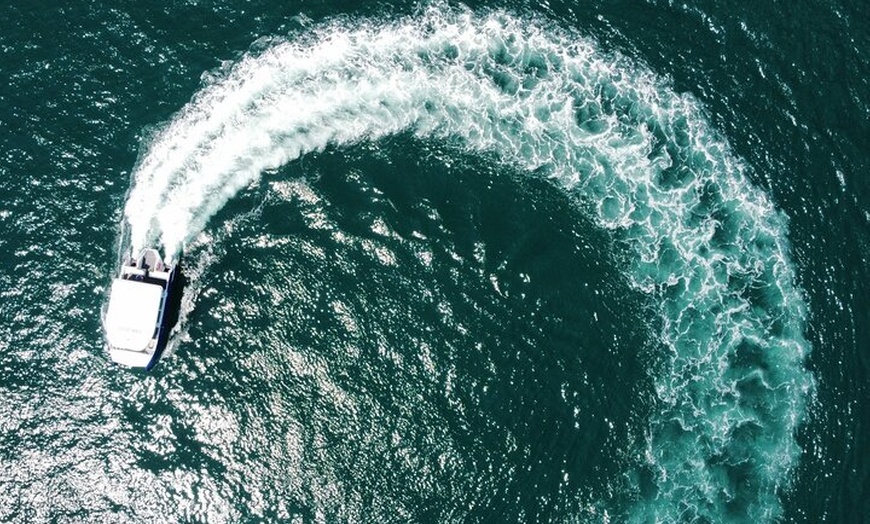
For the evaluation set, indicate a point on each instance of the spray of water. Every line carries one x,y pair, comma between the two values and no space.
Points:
641,158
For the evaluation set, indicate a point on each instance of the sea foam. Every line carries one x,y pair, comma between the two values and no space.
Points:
709,246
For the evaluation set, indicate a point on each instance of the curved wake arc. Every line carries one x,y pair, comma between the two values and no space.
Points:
710,245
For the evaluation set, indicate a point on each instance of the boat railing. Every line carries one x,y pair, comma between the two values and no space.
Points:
129,271
135,271
163,275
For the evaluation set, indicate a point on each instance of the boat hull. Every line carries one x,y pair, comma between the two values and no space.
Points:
142,309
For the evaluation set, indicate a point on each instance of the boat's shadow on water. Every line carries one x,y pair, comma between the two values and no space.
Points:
173,316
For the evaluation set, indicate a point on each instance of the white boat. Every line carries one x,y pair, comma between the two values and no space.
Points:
136,321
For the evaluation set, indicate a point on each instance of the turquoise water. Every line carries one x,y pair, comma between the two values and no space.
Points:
447,263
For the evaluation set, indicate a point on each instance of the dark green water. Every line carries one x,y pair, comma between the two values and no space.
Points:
448,263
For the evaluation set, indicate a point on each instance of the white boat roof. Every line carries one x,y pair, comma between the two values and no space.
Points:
132,316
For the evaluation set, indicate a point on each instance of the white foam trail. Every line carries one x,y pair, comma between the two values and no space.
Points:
733,388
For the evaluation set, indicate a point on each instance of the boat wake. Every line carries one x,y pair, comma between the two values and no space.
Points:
642,159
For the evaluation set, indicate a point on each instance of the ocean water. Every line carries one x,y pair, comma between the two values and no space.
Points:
481,262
